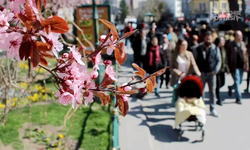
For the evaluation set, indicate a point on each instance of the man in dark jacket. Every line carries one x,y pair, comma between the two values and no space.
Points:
139,46
238,63
208,59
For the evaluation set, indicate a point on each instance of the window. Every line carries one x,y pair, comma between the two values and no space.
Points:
202,6
215,5
224,6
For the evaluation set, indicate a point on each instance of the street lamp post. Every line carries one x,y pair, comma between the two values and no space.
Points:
96,24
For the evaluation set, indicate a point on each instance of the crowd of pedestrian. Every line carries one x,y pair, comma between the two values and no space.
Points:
189,51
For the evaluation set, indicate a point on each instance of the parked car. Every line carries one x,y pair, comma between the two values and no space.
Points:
202,18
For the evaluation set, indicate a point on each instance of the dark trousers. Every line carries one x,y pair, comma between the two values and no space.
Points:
167,77
220,82
248,80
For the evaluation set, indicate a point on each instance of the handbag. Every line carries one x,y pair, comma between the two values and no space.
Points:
175,91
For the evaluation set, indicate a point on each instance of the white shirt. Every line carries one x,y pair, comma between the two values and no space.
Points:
143,47
182,61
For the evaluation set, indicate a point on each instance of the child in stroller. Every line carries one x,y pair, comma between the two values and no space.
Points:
190,106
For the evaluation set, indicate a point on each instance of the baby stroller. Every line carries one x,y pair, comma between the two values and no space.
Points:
190,107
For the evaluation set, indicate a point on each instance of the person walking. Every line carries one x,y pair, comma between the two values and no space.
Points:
182,62
155,61
220,77
128,28
151,33
208,59
139,46
172,37
167,51
238,63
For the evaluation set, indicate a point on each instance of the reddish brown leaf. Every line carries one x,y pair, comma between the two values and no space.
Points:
30,14
159,72
141,72
119,89
43,46
120,54
36,24
57,24
25,47
111,27
129,92
39,5
123,106
46,54
150,86
43,61
128,34
153,80
22,18
24,21
110,86
114,34
104,97
34,55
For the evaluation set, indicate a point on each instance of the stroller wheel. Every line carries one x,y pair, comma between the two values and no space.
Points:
180,134
179,137
202,135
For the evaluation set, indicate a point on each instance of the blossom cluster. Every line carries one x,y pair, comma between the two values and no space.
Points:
26,34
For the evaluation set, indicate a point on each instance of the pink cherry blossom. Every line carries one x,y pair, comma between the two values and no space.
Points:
126,88
65,55
88,98
12,44
125,97
97,60
94,74
109,44
14,5
109,77
1,2
107,62
76,55
66,98
57,46
5,17
68,82
110,72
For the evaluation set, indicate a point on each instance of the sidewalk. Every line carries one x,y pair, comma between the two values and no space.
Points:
149,122
134,132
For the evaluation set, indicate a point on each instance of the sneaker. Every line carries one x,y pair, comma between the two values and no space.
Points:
158,95
214,114
219,103
238,102
229,91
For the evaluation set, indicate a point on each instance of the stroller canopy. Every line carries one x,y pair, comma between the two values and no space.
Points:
190,87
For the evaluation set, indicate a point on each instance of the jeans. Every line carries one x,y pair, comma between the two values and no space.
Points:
158,81
211,80
237,77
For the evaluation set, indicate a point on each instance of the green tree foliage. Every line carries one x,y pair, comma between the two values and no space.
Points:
124,10
157,7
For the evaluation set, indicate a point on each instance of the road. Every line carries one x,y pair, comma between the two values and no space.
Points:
149,123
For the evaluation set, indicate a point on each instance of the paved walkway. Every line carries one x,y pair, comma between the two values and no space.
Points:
149,123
